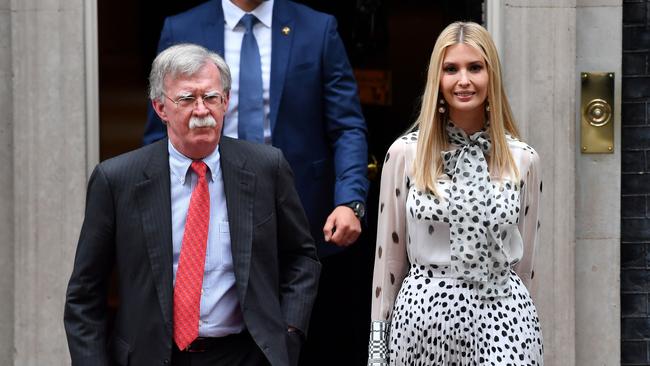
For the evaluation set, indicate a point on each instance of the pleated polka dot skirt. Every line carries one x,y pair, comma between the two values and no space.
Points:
441,321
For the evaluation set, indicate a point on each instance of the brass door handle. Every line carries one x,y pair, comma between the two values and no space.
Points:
373,168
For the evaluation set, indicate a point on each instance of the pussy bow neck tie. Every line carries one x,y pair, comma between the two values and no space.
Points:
476,246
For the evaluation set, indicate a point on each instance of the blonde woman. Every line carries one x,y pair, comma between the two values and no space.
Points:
458,222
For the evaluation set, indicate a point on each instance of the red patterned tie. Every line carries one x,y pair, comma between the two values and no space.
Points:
189,275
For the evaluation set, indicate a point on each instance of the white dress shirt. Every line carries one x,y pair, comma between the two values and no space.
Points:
220,314
233,35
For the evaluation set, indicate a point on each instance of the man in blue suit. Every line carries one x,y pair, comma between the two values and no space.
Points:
311,112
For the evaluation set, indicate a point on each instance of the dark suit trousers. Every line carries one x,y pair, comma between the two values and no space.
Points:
340,320
233,350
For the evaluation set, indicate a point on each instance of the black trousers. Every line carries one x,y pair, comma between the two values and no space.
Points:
340,320
232,350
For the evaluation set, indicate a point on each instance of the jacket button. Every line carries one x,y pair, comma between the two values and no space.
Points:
165,362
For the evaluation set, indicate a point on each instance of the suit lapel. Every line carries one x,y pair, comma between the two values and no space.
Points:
239,186
154,202
282,33
213,30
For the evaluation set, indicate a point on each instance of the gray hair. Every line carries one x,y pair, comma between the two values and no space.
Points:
184,59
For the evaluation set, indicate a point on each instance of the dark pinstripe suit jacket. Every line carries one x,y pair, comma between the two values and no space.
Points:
127,226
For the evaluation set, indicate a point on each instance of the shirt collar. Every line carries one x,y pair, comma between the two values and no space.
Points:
179,164
232,13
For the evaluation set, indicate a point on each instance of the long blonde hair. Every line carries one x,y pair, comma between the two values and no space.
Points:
432,138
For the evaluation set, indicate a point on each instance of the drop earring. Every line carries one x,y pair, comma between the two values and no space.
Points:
487,107
442,109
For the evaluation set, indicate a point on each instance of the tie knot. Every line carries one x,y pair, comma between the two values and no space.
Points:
248,21
199,168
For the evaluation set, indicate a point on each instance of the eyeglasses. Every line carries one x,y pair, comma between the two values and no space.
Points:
210,100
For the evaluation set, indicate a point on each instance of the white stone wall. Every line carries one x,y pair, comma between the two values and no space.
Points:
44,151
539,63
545,45
6,189
599,28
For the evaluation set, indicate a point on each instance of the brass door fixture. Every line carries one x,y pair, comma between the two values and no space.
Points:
597,113
373,168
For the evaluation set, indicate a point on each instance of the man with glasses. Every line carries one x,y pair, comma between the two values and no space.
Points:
213,254
293,88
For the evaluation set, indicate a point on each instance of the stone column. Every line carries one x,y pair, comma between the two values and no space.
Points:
539,53
6,189
47,162
598,196
546,44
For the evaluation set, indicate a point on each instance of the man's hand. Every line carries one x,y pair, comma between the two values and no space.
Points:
342,227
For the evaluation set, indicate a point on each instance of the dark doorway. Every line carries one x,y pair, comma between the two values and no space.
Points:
128,38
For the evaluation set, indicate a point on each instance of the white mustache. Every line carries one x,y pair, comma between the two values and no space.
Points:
207,121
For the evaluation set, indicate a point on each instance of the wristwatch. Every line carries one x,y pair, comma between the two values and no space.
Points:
358,208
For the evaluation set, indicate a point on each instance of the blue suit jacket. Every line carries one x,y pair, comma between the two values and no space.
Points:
315,114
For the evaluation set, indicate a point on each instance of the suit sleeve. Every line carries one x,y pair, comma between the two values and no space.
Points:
299,266
155,129
85,312
346,128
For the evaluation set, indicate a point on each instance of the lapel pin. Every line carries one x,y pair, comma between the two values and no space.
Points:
286,30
